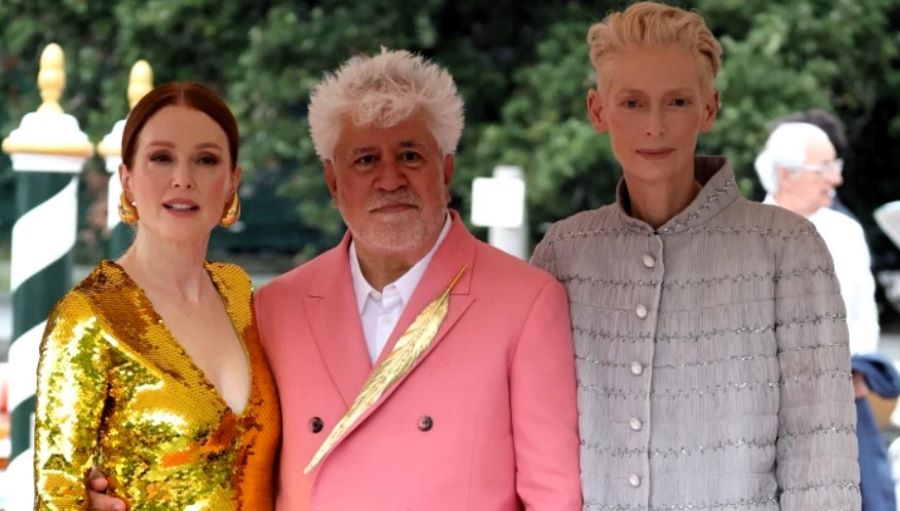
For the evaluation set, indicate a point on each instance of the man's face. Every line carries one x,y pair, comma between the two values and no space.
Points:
391,186
811,187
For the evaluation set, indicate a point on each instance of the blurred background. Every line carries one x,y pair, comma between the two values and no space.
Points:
522,67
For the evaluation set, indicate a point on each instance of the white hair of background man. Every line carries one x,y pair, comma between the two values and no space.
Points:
786,147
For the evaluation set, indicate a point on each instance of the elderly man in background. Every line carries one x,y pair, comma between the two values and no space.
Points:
837,135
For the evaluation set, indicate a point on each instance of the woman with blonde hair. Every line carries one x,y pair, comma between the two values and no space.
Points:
709,331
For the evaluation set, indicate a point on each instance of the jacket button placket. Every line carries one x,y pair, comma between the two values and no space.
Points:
648,267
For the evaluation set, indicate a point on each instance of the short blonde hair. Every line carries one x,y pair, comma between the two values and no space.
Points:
655,24
383,91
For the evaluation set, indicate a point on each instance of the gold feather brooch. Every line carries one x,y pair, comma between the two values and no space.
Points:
414,342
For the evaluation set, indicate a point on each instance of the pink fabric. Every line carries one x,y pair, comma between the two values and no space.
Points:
498,384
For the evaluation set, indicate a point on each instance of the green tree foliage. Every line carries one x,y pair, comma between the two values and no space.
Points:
521,66
839,55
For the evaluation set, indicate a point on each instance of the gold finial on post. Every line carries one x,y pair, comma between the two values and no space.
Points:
140,82
52,78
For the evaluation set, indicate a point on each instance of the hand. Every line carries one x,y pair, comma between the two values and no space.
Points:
860,389
97,485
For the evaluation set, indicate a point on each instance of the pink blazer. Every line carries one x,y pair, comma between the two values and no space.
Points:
486,421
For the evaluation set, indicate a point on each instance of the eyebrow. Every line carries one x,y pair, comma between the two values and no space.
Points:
680,90
168,145
171,145
362,150
208,145
403,144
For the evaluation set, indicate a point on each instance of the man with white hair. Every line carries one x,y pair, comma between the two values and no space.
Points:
800,172
418,368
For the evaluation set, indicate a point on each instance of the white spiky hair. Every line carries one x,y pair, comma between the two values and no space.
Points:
384,90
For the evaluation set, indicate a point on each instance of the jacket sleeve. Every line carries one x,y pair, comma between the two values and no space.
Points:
543,402
816,460
71,392
544,257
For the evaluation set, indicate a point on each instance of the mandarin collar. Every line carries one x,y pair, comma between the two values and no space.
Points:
719,190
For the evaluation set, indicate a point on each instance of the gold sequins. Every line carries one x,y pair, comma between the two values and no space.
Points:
116,391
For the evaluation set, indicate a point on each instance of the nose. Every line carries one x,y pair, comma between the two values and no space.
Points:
390,177
182,177
655,122
834,178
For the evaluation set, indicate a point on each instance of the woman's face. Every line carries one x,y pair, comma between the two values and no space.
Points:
181,177
653,107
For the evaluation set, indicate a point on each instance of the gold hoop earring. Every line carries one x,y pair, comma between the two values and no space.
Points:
232,212
128,213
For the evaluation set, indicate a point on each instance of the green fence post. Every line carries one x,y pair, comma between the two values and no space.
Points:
48,151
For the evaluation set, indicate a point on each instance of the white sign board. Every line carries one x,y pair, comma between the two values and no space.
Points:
498,202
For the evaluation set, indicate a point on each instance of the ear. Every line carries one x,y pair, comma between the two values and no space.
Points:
125,180
781,175
449,168
235,180
595,110
330,178
710,110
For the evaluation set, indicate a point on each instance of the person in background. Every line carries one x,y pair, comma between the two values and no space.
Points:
834,128
151,369
710,342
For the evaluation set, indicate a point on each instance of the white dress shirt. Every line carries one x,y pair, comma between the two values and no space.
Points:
846,241
380,311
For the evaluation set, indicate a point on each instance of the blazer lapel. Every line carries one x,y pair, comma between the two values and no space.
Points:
330,308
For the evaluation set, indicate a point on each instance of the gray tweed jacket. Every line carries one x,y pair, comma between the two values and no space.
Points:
712,358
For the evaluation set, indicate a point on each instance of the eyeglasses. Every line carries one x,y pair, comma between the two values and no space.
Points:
821,168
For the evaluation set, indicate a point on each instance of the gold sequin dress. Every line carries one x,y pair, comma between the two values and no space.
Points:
117,391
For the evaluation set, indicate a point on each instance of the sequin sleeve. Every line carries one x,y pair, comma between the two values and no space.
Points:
71,392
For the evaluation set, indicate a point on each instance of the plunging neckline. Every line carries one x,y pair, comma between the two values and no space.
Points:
170,337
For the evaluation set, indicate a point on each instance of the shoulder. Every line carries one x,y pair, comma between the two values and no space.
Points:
583,224
827,218
104,280
302,277
76,304
772,217
502,273
230,278
772,223
81,305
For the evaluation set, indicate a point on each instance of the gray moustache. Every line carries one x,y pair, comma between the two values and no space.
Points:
389,199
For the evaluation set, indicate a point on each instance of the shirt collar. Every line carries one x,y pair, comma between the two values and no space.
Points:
406,284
